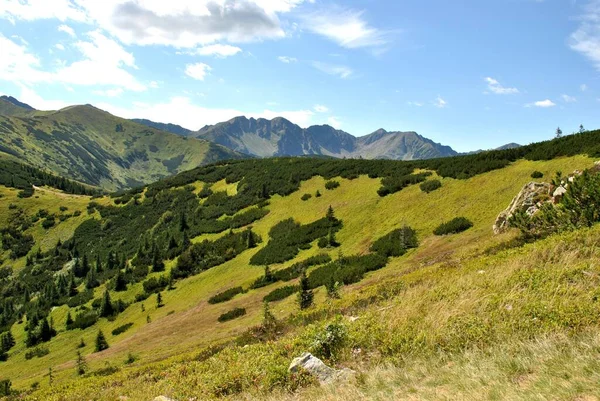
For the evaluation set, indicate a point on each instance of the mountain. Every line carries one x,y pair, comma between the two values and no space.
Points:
9,106
511,145
280,137
167,127
227,245
92,146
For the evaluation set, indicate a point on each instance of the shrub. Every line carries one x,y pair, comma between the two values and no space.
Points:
296,269
121,329
37,352
396,243
225,295
306,197
232,314
328,342
48,222
430,186
281,293
454,226
154,284
537,174
330,185
83,320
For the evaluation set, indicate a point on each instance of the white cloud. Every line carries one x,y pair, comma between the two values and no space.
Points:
586,39
181,110
440,103
197,71
568,99
218,50
334,122
495,87
30,97
67,29
541,103
59,46
287,60
583,87
416,104
338,70
30,10
154,84
109,92
103,63
319,108
345,27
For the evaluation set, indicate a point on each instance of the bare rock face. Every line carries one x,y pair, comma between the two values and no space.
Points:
317,368
526,199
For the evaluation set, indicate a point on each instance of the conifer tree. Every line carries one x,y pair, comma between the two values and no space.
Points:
101,343
251,240
106,307
80,364
50,376
330,215
269,321
159,301
69,321
183,225
120,282
98,264
157,263
185,242
305,296
72,286
81,343
91,280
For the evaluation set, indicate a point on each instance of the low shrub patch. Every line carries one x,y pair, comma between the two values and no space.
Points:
330,185
306,197
122,329
232,314
281,293
430,186
396,243
37,352
225,295
454,226
537,174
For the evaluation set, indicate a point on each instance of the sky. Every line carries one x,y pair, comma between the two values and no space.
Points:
472,74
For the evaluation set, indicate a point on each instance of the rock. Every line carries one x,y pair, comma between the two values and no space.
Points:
526,199
162,398
559,192
317,368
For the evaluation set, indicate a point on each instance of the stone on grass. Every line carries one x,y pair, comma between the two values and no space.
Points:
317,368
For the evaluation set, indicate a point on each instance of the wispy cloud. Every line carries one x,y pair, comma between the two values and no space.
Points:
415,104
197,71
67,29
542,103
568,99
495,87
348,28
583,87
339,70
319,108
334,122
440,103
218,50
586,39
287,60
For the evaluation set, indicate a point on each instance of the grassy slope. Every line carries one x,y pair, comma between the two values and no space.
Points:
82,143
366,217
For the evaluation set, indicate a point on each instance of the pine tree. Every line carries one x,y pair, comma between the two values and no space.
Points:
581,129
305,296
46,331
85,265
183,225
81,344
157,263
106,307
269,321
185,242
91,280
159,301
332,287
50,376
251,240
330,215
69,321
98,264
559,133
120,282
72,286
331,242
318,194
101,343
80,364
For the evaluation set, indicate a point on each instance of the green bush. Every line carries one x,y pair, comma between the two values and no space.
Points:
281,293
225,295
306,197
430,185
454,226
537,174
84,320
232,314
330,340
122,329
48,222
330,185
37,352
396,243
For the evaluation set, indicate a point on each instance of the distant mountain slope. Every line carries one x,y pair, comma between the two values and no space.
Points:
172,128
9,106
280,137
92,146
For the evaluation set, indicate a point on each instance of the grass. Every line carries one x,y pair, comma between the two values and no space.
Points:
446,304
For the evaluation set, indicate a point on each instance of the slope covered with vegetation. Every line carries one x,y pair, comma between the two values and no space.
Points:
92,146
174,275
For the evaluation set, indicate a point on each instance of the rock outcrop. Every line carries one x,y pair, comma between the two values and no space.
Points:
317,368
528,198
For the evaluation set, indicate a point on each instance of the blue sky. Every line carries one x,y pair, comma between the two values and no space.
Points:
469,74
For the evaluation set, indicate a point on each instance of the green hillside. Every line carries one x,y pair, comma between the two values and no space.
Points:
413,312
92,146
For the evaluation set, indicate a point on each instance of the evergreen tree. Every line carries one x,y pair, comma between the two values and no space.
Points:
332,287
172,243
111,261
106,307
157,263
318,194
50,376
98,264
330,215
81,344
46,331
559,133
269,321
120,281
251,240
101,343
159,301
183,225
331,242
305,296
581,129
91,280
185,242
72,286
85,265
80,364
69,321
